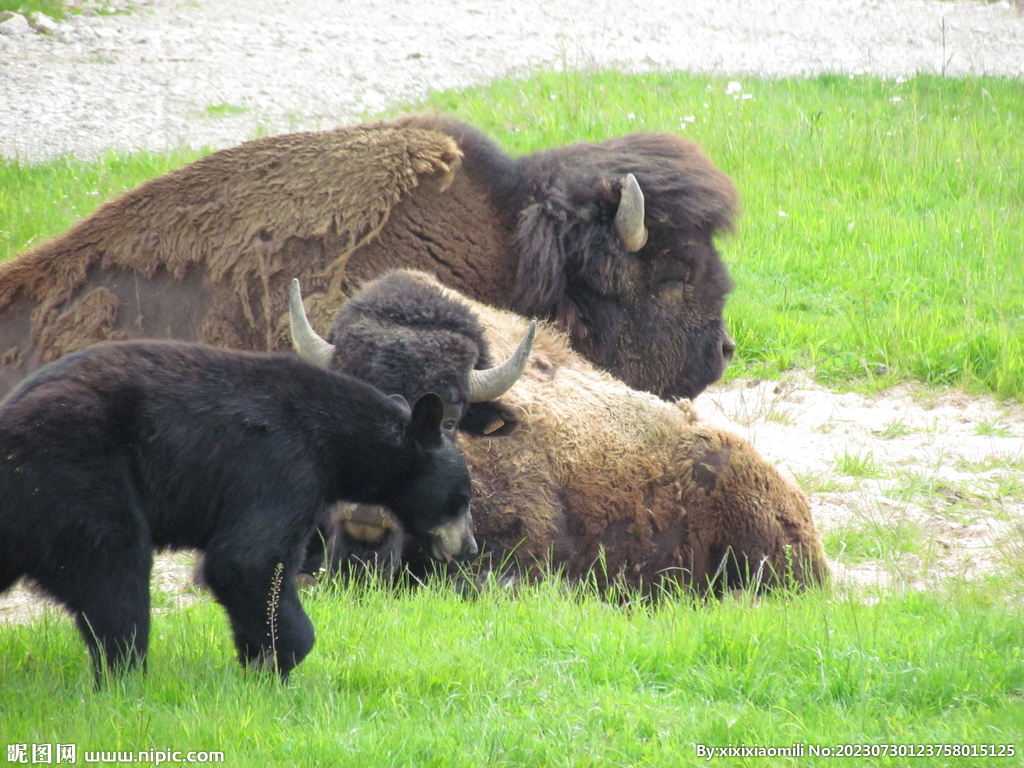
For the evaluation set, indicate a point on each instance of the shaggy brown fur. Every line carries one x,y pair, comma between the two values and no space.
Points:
603,481
212,245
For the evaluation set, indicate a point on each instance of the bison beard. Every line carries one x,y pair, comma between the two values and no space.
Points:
205,252
126,447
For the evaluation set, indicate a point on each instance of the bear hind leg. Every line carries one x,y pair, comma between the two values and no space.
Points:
112,614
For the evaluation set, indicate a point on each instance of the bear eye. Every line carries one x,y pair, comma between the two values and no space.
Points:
448,426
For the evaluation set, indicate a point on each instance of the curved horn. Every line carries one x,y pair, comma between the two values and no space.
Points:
304,339
494,382
629,219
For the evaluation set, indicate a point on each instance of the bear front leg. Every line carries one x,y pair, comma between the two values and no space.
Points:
270,627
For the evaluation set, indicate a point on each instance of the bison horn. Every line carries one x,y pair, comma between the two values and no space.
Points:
494,382
304,339
629,219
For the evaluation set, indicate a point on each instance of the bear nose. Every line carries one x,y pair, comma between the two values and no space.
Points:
728,348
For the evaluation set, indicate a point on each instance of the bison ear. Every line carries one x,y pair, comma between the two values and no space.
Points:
540,279
540,289
425,421
489,419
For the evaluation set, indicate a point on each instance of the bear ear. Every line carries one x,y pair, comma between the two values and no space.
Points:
490,419
425,422
402,402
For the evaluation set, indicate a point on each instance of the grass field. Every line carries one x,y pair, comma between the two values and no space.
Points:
882,233
881,242
546,678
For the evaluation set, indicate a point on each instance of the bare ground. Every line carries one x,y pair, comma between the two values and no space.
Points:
909,487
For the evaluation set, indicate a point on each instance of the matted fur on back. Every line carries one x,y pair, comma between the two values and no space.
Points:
233,216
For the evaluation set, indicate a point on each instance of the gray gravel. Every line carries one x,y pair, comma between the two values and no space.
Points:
215,72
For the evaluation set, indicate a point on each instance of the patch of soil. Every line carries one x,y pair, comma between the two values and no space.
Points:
908,487
170,588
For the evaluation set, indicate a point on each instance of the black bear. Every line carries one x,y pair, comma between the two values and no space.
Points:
127,447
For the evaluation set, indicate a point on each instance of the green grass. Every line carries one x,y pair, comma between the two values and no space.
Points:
861,465
900,247
882,539
992,429
896,428
55,9
548,677
812,482
898,257
40,200
223,109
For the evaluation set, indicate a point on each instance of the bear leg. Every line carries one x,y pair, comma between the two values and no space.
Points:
113,618
270,627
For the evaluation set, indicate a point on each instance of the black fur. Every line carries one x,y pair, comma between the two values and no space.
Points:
405,338
123,448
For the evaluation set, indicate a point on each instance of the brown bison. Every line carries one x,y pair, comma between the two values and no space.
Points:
602,481
612,241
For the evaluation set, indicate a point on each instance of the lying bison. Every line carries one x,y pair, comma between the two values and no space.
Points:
597,481
128,446
398,330
612,241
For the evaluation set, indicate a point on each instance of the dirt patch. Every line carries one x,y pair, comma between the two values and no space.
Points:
216,72
908,488
170,588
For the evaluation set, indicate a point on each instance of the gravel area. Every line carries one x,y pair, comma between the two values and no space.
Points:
169,73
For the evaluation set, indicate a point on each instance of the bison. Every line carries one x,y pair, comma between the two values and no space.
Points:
611,241
399,330
599,481
128,446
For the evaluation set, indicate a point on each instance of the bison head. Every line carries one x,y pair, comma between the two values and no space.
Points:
615,242
404,335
